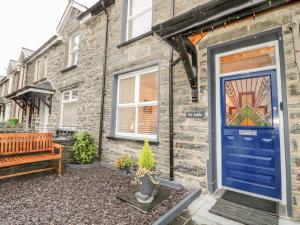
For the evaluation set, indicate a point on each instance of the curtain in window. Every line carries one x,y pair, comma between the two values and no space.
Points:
69,115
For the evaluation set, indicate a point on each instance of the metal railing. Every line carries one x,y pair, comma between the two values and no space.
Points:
59,133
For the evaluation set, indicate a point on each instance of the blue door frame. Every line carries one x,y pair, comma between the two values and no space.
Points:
251,154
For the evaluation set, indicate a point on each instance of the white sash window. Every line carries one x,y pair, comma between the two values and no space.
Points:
69,109
137,104
139,17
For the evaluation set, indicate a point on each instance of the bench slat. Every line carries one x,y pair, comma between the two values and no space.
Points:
16,149
25,142
20,160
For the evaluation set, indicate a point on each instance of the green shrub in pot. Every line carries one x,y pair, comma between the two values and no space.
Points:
12,122
84,149
144,176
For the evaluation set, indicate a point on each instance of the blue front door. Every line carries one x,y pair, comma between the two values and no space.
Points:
250,133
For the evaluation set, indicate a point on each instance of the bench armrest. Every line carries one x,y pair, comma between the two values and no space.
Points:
58,146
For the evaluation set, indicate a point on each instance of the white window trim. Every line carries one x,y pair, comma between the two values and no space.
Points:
37,75
72,51
10,83
136,104
132,17
45,66
62,106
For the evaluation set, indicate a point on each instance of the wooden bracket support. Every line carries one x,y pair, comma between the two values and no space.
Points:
189,58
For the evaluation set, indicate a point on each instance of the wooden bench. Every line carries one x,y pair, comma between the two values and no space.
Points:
27,148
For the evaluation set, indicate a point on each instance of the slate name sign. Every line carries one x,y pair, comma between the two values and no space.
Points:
194,114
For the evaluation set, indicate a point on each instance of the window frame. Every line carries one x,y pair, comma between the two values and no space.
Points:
137,104
70,100
130,18
72,51
37,68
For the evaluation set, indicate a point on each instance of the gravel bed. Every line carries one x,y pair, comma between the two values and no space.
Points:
84,196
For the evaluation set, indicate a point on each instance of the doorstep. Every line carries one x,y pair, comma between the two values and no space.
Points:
198,214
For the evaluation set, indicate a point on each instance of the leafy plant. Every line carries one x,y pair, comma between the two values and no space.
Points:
125,162
12,122
84,149
146,165
146,158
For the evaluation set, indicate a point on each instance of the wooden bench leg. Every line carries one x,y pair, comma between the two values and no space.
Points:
59,167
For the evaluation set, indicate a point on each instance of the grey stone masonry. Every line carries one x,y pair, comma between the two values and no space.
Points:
191,141
86,76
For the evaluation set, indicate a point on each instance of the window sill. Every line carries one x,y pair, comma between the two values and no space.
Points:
41,80
68,68
131,139
135,39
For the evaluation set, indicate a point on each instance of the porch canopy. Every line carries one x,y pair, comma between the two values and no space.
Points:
29,97
187,30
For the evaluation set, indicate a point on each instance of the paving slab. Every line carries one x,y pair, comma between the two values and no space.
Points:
198,214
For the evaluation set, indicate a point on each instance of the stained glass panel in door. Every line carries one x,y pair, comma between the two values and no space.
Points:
249,102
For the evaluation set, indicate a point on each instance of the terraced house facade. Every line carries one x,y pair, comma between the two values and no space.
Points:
214,86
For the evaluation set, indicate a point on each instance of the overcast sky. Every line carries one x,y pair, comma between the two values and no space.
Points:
28,23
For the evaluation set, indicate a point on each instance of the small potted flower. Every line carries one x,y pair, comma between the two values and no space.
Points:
145,175
125,162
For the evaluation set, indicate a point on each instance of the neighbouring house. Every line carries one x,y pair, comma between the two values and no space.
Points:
214,86
8,86
62,88
3,85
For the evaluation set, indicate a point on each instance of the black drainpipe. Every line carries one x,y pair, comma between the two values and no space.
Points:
171,126
103,83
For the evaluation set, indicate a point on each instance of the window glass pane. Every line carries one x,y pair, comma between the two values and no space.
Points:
73,58
74,42
248,60
139,5
148,87
140,25
36,72
127,90
69,115
66,96
249,102
126,120
147,123
75,94
41,69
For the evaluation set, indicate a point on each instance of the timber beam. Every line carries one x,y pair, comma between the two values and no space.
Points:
188,55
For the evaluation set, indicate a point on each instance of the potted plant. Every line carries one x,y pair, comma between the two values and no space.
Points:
84,149
145,175
12,123
125,162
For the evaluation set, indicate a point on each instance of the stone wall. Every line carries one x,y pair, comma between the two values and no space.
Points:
190,147
86,76
147,50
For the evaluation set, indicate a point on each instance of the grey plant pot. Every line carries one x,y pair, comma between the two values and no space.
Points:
147,186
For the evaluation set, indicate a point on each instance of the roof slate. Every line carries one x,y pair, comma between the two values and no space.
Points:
27,52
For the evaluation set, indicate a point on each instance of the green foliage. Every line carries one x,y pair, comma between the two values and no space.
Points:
84,149
125,162
12,122
146,159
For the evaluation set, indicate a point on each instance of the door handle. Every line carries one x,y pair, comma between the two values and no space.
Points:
281,106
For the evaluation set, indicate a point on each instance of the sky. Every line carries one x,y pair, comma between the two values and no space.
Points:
29,24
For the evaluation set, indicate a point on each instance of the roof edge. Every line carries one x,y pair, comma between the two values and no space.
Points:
40,49
96,8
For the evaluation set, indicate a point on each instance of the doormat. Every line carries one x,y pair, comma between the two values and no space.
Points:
129,198
246,209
